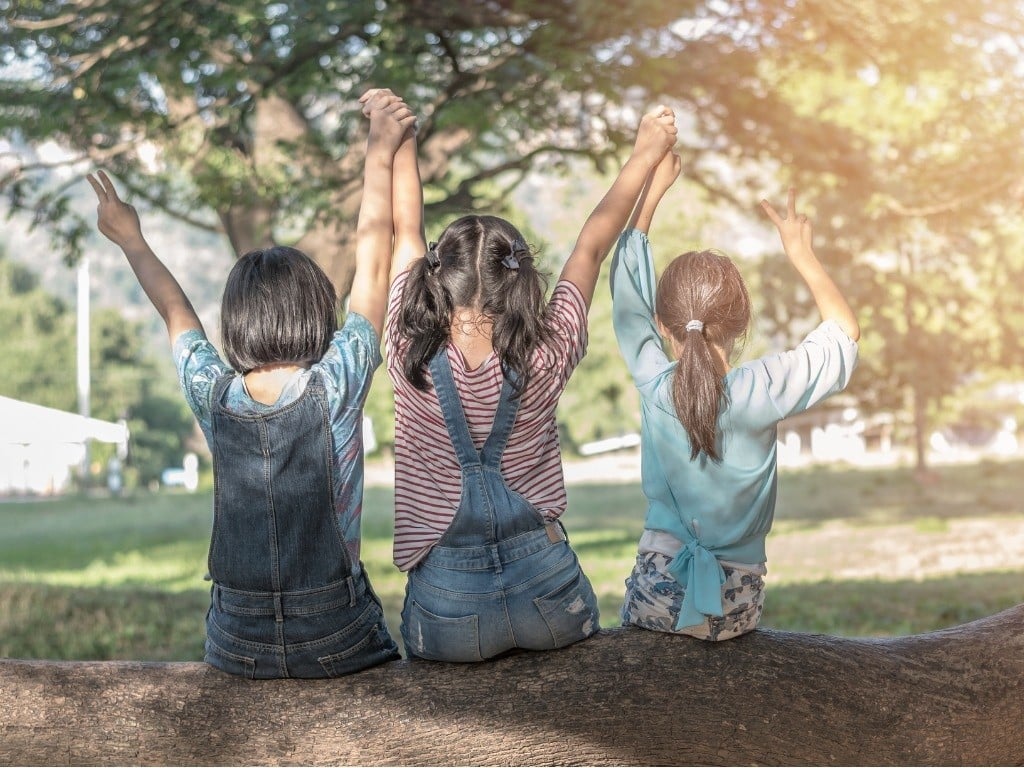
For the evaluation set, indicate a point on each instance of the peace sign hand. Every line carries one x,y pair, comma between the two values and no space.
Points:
116,219
794,229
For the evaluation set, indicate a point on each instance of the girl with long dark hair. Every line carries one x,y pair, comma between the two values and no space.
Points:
479,358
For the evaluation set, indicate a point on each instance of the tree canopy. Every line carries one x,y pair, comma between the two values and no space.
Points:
240,117
901,120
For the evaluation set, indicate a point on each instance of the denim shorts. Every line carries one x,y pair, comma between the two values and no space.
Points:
325,632
474,603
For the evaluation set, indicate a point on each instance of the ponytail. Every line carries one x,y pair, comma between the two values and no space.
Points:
703,302
697,391
515,302
425,319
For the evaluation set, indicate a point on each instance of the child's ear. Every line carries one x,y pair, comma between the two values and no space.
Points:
666,335
661,327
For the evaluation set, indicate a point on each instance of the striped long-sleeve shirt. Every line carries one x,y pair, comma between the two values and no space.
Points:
427,474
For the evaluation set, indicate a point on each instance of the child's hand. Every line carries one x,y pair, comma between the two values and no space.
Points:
665,174
116,219
794,229
656,135
375,98
387,113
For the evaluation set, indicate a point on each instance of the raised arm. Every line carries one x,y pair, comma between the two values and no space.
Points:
406,195
410,243
657,185
389,120
119,222
657,133
633,283
795,232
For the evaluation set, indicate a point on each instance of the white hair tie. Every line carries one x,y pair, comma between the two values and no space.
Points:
695,325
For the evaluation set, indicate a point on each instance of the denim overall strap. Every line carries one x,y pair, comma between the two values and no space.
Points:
284,602
275,527
501,576
455,417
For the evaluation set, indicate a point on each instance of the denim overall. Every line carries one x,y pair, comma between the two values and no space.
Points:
500,577
284,602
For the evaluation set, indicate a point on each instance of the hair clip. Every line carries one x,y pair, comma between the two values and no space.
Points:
432,257
518,249
695,325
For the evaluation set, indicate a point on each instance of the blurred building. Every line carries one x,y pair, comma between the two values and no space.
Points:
836,431
40,447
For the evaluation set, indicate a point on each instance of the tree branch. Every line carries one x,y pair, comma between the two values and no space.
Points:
950,697
163,204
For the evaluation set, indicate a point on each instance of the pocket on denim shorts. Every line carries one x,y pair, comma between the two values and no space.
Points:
226,661
374,648
439,638
570,611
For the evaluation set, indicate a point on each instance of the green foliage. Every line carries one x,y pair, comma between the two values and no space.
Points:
252,106
899,120
38,331
37,336
913,219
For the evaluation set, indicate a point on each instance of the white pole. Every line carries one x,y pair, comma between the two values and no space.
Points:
83,353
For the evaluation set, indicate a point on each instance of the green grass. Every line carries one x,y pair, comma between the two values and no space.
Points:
90,578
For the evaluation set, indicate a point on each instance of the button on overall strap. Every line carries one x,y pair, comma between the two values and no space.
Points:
455,416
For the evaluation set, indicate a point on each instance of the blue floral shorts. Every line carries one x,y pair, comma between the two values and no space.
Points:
654,599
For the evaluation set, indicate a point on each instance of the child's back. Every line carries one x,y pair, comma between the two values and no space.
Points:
427,469
289,595
708,430
283,423
479,360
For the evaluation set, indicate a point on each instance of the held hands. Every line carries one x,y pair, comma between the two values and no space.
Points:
656,135
116,219
391,119
794,229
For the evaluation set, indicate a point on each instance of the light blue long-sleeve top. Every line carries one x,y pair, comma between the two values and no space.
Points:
718,510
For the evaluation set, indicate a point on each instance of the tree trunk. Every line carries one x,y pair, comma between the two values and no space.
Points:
920,411
624,697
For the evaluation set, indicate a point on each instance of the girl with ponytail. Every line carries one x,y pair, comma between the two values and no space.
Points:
708,430
479,358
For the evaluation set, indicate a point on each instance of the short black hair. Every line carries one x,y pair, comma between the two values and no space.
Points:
278,306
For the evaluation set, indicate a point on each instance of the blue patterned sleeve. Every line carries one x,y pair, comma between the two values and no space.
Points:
633,285
350,361
199,366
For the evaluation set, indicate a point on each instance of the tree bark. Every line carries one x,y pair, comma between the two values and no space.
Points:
624,697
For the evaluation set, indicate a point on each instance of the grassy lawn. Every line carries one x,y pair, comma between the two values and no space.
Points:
854,552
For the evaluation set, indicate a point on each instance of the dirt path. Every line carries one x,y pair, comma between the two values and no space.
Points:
889,552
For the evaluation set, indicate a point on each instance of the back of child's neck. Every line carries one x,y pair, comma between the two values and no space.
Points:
471,333
264,383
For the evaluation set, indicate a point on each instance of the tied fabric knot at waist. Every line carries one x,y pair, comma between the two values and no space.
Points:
702,576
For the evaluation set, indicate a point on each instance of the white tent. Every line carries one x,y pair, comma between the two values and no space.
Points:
39,445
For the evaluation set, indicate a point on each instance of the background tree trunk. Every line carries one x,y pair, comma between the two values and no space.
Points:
626,696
